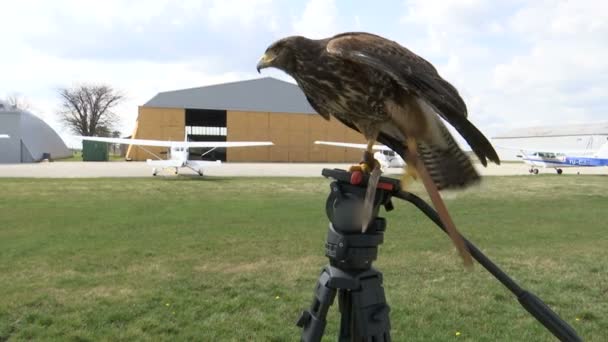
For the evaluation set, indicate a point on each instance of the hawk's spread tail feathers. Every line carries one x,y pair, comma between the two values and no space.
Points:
478,142
448,167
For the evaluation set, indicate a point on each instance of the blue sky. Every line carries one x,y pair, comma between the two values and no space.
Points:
516,63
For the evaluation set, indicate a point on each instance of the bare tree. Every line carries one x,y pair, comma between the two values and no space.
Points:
18,101
87,109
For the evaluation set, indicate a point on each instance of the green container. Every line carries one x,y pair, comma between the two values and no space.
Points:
95,151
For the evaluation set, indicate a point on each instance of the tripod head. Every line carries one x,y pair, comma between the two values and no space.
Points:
347,248
346,199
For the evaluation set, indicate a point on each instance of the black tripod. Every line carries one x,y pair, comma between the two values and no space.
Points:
363,308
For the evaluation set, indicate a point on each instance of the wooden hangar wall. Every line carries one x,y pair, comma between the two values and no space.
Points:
293,135
157,124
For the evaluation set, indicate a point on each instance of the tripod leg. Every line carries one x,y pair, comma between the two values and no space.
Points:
313,321
370,312
345,302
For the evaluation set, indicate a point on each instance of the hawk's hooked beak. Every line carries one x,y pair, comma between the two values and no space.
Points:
265,61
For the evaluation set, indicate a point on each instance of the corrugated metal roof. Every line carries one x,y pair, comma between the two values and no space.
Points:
259,95
31,132
598,128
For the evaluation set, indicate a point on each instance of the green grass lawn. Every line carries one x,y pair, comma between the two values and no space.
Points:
219,259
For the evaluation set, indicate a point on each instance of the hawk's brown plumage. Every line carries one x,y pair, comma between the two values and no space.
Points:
387,93
391,95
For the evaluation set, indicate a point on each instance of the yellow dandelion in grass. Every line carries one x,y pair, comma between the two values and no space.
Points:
167,304
577,319
277,297
457,333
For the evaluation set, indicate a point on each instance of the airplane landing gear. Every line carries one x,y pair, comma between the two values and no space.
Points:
533,170
559,171
154,172
200,172
176,170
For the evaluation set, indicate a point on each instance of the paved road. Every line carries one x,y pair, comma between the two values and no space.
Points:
140,169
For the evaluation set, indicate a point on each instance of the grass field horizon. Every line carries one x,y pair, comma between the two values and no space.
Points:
236,259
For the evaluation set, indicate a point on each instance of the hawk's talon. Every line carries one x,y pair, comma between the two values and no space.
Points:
409,176
356,168
365,167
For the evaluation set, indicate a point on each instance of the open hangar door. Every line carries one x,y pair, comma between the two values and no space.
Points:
206,125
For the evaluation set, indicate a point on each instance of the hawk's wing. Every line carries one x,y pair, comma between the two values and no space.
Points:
408,69
414,74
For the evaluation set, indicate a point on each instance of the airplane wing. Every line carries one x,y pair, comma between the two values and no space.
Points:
359,146
544,149
4,136
218,144
141,142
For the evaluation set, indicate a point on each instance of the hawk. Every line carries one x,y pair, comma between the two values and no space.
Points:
391,95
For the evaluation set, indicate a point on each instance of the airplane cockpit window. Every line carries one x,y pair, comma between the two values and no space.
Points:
545,154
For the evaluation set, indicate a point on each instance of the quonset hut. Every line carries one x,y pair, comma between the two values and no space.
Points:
30,138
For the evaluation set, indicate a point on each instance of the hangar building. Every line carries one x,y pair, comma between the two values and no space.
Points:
264,109
30,137
566,137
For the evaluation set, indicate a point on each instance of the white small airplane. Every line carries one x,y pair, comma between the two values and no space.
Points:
558,159
387,157
179,151
5,136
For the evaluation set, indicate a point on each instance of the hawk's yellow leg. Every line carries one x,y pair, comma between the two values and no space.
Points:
370,166
369,163
409,176
442,210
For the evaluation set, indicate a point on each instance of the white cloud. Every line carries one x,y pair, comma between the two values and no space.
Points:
562,74
448,21
38,76
561,19
319,19
462,14
515,62
45,48
518,63
243,13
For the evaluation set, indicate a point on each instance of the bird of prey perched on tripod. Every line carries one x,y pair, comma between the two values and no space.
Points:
391,95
